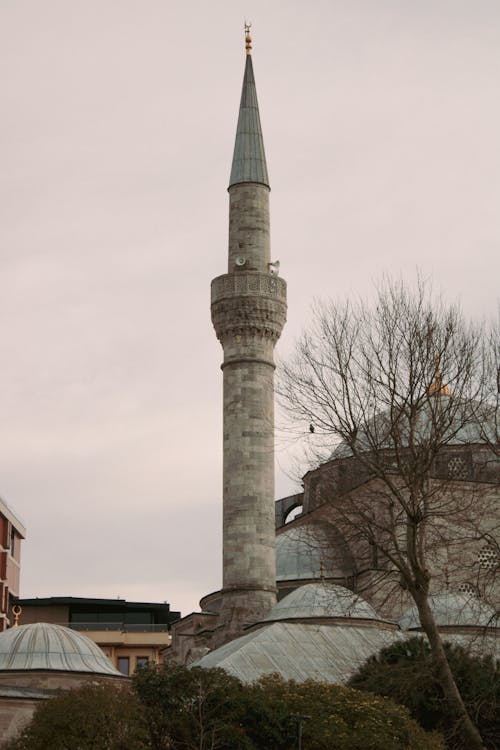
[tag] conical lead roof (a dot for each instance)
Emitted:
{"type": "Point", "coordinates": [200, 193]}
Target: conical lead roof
{"type": "Point", "coordinates": [249, 159]}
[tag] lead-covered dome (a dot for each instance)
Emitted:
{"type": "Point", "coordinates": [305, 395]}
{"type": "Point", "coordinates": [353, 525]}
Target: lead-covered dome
{"type": "Point", "coordinates": [453, 610]}
{"type": "Point", "coordinates": [312, 551]}
{"type": "Point", "coordinates": [467, 423]}
{"type": "Point", "coordinates": [47, 647]}
{"type": "Point", "coordinates": [321, 600]}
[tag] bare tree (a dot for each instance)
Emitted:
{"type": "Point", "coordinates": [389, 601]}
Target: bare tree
{"type": "Point", "coordinates": [371, 379]}
{"type": "Point", "coordinates": [491, 359]}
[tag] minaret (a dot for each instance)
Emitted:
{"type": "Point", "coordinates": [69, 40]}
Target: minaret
{"type": "Point", "coordinates": [248, 313]}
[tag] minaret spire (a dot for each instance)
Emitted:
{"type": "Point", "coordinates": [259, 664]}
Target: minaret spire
{"type": "Point", "coordinates": [248, 313]}
{"type": "Point", "coordinates": [249, 159]}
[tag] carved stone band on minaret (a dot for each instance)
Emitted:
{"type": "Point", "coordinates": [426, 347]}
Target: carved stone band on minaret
{"type": "Point", "coordinates": [248, 303]}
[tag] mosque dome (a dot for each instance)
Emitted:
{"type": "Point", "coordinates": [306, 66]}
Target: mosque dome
{"type": "Point", "coordinates": [48, 647]}
{"type": "Point", "coordinates": [312, 551]}
{"type": "Point", "coordinates": [321, 600]}
{"type": "Point", "coordinates": [471, 423]}
{"type": "Point", "coordinates": [450, 610]}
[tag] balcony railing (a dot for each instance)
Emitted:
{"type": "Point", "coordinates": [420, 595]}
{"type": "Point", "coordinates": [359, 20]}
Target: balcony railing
{"type": "Point", "coordinates": [124, 627]}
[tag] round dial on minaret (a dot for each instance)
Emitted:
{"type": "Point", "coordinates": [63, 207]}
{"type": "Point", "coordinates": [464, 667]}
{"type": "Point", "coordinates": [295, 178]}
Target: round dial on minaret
{"type": "Point", "coordinates": [240, 260]}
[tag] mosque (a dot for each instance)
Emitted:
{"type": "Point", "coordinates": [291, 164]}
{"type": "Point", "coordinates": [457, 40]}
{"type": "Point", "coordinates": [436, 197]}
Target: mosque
{"type": "Point", "coordinates": [304, 598]}
{"type": "Point", "coordinates": [299, 597]}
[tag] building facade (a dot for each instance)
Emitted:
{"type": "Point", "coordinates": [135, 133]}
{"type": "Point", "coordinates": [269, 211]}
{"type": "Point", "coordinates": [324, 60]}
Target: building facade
{"type": "Point", "coordinates": [129, 633]}
{"type": "Point", "coordinates": [12, 532]}
{"type": "Point", "coordinates": [319, 542]}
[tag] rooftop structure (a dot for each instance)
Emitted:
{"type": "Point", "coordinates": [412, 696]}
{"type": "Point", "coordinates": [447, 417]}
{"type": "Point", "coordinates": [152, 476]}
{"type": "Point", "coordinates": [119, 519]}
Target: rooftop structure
{"type": "Point", "coordinates": [320, 632]}
{"type": "Point", "coordinates": [129, 633]}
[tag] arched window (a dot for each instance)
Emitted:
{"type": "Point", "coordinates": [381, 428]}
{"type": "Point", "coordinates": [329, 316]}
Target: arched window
{"type": "Point", "coordinates": [293, 513]}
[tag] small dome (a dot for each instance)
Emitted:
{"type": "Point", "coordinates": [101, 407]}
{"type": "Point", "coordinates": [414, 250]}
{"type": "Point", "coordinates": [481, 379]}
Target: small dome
{"type": "Point", "coordinates": [44, 646]}
{"type": "Point", "coordinates": [452, 610]}
{"type": "Point", "coordinates": [321, 600]}
{"type": "Point", "coordinates": [314, 550]}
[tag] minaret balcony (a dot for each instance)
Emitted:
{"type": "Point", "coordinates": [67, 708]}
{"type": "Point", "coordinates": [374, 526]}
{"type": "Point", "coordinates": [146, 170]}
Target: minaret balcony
{"type": "Point", "coordinates": [248, 302]}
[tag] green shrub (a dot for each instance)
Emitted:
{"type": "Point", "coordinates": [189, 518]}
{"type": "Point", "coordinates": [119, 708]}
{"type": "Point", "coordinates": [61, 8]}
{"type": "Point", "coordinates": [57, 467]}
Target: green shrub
{"type": "Point", "coordinates": [404, 672]}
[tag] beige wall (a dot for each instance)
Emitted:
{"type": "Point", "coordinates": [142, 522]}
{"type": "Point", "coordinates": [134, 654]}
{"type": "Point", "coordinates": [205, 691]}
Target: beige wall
{"type": "Point", "coordinates": [15, 714]}
{"type": "Point", "coordinates": [117, 644]}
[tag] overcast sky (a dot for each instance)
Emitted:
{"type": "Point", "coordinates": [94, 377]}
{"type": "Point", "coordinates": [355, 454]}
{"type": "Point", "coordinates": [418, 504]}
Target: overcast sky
{"type": "Point", "coordinates": [381, 122]}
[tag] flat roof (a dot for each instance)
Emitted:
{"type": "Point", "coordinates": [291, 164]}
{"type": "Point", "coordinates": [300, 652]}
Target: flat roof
{"type": "Point", "coordinates": [90, 602]}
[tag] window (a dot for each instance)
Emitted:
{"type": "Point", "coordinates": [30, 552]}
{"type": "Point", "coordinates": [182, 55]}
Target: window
{"type": "Point", "coordinates": [98, 619]}
{"type": "Point", "coordinates": [137, 618]}
{"type": "Point", "coordinates": [457, 468]}
{"type": "Point", "coordinates": [293, 513]}
{"type": "Point", "coordinates": [488, 558]}
{"type": "Point", "coordinates": [124, 665]}
{"type": "Point", "coordinates": [373, 554]}
{"type": "Point", "coordinates": [468, 588]}
{"type": "Point", "coordinates": [141, 662]}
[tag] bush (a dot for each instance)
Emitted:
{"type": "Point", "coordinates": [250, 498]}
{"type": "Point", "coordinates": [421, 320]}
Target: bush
{"type": "Point", "coordinates": [199, 708]}
{"type": "Point", "coordinates": [405, 673]}
{"type": "Point", "coordinates": [175, 708]}
{"type": "Point", "coordinates": [93, 717]}
{"type": "Point", "coordinates": [342, 718]}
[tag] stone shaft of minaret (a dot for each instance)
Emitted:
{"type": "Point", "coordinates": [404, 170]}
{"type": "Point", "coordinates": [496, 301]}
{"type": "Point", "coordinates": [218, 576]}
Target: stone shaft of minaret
{"type": "Point", "coordinates": [248, 313]}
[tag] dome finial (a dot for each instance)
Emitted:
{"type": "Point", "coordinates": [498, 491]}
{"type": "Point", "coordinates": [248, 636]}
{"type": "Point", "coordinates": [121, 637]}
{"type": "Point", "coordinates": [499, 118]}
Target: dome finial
{"type": "Point", "coordinates": [437, 387]}
{"type": "Point", "coordinates": [248, 38]}
{"type": "Point", "coordinates": [16, 611]}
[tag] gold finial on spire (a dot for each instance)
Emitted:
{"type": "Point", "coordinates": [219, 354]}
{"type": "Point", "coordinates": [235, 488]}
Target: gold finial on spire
{"type": "Point", "coordinates": [16, 611]}
{"type": "Point", "coordinates": [437, 387]}
{"type": "Point", "coordinates": [248, 38]}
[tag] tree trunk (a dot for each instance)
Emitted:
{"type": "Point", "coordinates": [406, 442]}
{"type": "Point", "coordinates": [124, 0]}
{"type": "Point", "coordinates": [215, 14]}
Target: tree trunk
{"type": "Point", "coordinates": [444, 675]}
